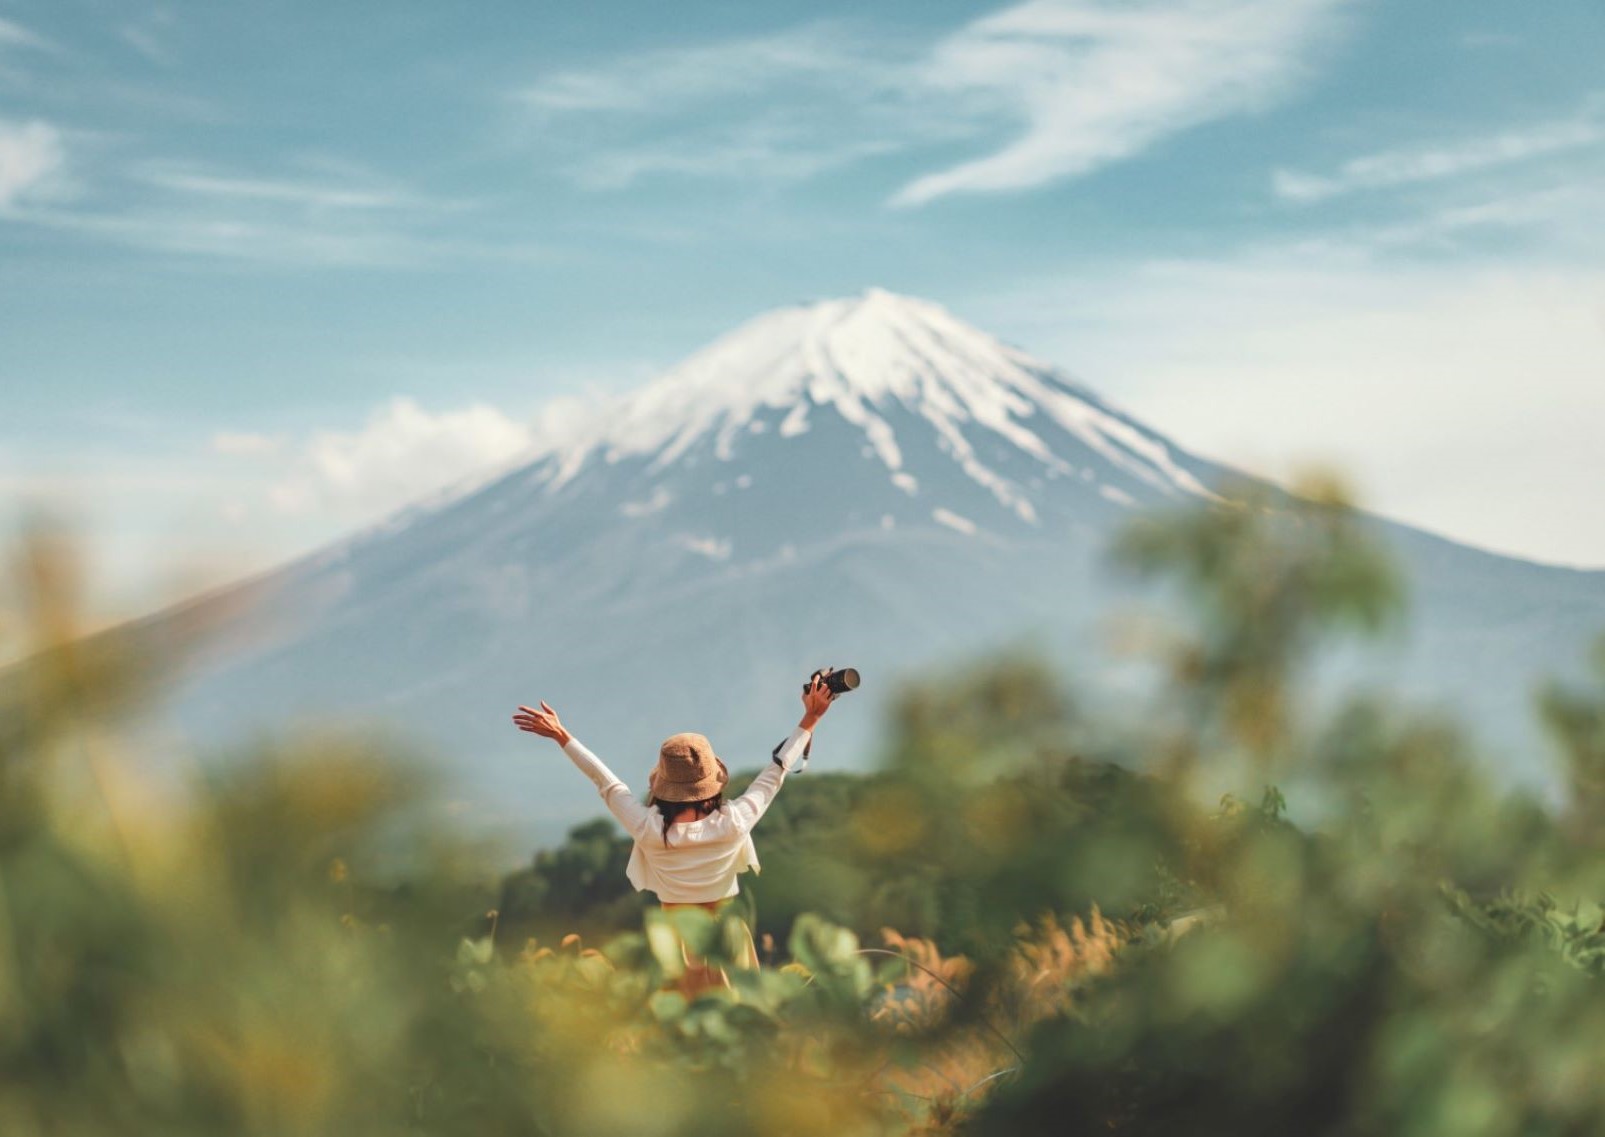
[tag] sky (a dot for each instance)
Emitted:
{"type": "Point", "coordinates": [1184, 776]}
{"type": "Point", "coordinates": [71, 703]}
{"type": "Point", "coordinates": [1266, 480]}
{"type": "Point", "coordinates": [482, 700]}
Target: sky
{"type": "Point", "coordinates": [268, 271]}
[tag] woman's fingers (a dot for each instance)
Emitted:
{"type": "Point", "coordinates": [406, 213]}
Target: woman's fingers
{"type": "Point", "coordinates": [542, 722]}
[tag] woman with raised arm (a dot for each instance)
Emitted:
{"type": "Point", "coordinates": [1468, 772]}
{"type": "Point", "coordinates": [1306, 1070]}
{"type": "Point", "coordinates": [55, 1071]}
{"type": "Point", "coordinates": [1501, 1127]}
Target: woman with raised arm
{"type": "Point", "coordinates": [690, 844]}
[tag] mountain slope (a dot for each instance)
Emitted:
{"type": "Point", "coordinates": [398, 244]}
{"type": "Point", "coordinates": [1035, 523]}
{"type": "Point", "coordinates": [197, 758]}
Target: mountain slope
{"type": "Point", "coordinates": [866, 481]}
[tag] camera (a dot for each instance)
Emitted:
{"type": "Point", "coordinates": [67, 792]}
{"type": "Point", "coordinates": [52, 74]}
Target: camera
{"type": "Point", "coordinates": [837, 682]}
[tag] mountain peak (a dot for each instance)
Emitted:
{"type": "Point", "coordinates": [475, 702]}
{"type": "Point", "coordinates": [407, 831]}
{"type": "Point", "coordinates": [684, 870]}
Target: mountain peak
{"type": "Point", "coordinates": [851, 353]}
{"type": "Point", "coordinates": [872, 344]}
{"type": "Point", "coordinates": [873, 359]}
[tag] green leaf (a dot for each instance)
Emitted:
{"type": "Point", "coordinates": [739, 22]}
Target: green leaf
{"type": "Point", "coordinates": [696, 929]}
{"type": "Point", "coordinates": [665, 945]}
{"type": "Point", "coordinates": [667, 1006]}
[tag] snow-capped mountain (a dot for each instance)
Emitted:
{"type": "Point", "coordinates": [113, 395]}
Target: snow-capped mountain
{"type": "Point", "coordinates": [859, 360]}
{"type": "Point", "coordinates": [867, 481]}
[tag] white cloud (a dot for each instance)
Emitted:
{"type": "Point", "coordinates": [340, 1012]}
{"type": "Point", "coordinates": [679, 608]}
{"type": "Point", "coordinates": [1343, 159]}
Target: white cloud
{"type": "Point", "coordinates": [31, 154]}
{"type": "Point", "coordinates": [280, 237]}
{"type": "Point", "coordinates": [148, 34]}
{"type": "Point", "coordinates": [256, 238]}
{"type": "Point", "coordinates": [954, 521]}
{"type": "Point", "coordinates": [1464, 398]}
{"type": "Point", "coordinates": [1560, 215]}
{"type": "Point", "coordinates": [1096, 81]}
{"type": "Point", "coordinates": [308, 195]}
{"type": "Point", "coordinates": [14, 34]}
{"type": "Point", "coordinates": [1078, 83]}
{"type": "Point", "coordinates": [668, 79]}
{"type": "Point", "coordinates": [165, 521]}
{"type": "Point", "coordinates": [342, 216]}
{"type": "Point", "coordinates": [1406, 166]}
{"type": "Point", "coordinates": [760, 153]}
{"type": "Point", "coordinates": [805, 100]}
{"type": "Point", "coordinates": [401, 454]}
{"type": "Point", "coordinates": [657, 500]}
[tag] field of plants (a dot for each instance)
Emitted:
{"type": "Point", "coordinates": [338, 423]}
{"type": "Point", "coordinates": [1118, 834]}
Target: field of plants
{"type": "Point", "coordinates": [1031, 920]}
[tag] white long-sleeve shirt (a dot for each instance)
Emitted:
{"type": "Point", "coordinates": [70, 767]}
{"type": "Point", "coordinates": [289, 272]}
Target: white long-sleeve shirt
{"type": "Point", "coordinates": [702, 858]}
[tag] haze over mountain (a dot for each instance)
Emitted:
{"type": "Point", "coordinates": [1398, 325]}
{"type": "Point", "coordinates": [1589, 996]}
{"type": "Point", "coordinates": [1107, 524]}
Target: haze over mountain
{"type": "Point", "coordinates": [866, 481]}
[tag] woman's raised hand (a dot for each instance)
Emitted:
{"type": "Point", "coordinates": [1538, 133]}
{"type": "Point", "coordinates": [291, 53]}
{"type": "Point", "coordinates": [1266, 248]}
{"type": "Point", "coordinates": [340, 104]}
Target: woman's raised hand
{"type": "Point", "coordinates": [543, 722]}
{"type": "Point", "coordinates": [816, 700]}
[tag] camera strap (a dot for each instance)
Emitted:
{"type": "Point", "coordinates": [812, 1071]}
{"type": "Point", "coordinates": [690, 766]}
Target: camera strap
{"type": "Point", "coordinates": [774, 755]}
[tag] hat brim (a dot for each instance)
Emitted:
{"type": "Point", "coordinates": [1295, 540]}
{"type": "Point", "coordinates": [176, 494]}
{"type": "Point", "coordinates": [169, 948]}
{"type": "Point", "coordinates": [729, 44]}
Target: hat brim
{"type": "Point", "coordinates": [700, 790]}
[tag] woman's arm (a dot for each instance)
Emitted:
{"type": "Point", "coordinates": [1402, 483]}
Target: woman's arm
{"type": "Point", "coordinates": [750, 806]}
{"type": "Point", "coordinates": [615, 794]}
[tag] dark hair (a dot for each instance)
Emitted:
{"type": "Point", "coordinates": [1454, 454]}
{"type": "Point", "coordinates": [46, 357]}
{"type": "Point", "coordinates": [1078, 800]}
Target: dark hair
{"type": "Point", "coordinates": [670, 809]}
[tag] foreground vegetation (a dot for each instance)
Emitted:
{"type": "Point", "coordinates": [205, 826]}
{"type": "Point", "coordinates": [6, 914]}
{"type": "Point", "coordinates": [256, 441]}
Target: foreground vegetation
{"type": "Point", "coordinates": [1078, 948]}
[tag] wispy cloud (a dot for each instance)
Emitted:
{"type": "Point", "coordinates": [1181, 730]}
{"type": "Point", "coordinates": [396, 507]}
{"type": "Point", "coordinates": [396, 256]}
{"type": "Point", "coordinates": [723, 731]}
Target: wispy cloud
{"type": "Point", "coordinates": [31, 155]}
{"type": "Point", "coordinates": [345, 217]}
{"type": "Point", "coordinates": [309, 195]}
{"type": "Point", "coordinates": [1072, 85]}
{"type": "Point", "coordinates": [784, 106]}
{"type": "Point", "coordinates": [1555, 215]}
{"type": "Point", "coordinates": [148, 34]}
{"type": "Point", "coordinates": [666, 80]}
{"type": "Point", "coordinates": [306, 210]}
{"type": "Point", "coordinates": [1097, 81]}
{"type": "Point", "coordinates": [761, 153]}
{"type": "Point", "coordinates": [14, 34]}
{"type": "Point", "coordinates": [1407, 166]}
{"type": "Point", "coordinates": [279, 241]}
{"type": "Point", "coordinates": [257, 240]}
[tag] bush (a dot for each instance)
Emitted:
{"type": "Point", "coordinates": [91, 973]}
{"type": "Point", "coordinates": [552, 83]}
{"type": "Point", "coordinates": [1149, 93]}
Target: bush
{"type": "Point", "coordinates": [1080, 948]}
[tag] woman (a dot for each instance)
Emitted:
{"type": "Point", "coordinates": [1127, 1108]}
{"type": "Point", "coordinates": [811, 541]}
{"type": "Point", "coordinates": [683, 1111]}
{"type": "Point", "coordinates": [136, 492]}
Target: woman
{"type": "Point", "coordinates": [690, 844]}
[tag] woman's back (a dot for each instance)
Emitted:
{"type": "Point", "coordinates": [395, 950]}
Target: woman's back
{"type": "Point", "coordinates": [694, 861]}
{"type": "Point", "coordinates": [689, 849]}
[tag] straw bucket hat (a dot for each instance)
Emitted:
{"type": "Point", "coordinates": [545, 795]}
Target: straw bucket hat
{"type": "Point", "coordinates": [687, 770]}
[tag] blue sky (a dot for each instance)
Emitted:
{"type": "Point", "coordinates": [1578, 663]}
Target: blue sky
{"type": "Point", "coordinates": [268, 270]}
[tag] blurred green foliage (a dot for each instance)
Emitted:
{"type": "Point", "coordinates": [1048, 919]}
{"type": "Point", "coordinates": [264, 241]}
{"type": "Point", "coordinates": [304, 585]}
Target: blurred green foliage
{"type": "Point", "coordinates": [1097, 931]}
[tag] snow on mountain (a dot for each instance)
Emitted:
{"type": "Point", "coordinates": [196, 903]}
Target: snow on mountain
{"type": "Point", "coordinates": [860, 358]}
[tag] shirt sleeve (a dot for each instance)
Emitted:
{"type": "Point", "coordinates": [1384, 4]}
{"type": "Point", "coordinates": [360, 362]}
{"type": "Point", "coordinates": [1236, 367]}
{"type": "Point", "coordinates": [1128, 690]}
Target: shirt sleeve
{"type": "Point", "coordinates": [620, 802]}
{"type": "Point", "coordinates": [750, 806]}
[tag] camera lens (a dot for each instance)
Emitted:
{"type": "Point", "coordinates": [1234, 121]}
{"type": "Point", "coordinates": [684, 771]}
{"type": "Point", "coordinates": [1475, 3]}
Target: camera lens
{"type": "Point", "coordinates": [840, 682]}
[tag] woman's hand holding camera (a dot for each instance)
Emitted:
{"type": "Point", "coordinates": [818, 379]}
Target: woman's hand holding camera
{"type": "Point", "coordinates": [816, 701]}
